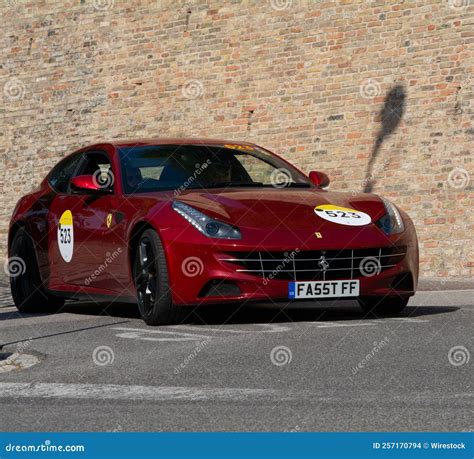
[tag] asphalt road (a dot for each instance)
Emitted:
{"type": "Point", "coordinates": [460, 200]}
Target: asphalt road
{"type": "Point", "coordinates": [315, 367]}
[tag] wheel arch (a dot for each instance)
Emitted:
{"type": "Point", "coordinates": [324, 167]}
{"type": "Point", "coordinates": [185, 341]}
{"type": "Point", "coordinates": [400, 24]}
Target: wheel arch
{"type": "Point", "coordinates": [137, 230]}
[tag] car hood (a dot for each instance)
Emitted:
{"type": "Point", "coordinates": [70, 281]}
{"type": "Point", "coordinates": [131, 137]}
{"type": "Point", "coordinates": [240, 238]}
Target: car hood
{"type": "Point", "coordinates": [275, 208]}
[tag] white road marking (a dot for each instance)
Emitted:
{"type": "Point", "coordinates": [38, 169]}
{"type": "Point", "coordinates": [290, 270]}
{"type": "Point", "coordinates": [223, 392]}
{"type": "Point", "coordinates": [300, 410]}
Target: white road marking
{"type": "Point", "coordinates": [150, 335]}
{"type": "Point", "coordinates": [16, 390]}
{"type": "Point", "coordinates": [406, 319]}
{"type": "Point", "coordinates": [132, 392]}
{"type": "Point", "coordinates": [266, 328]}
{"type": "Point", "coordinates": [338, 324]}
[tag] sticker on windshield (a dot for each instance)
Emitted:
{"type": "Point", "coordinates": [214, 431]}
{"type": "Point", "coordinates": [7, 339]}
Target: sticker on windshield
{"type": "Point", "coordinates": [239, 147]}
{"type": "Point", "coordinates": [66, 236]}
{"type": "Point", "coordinates": [342, 215]}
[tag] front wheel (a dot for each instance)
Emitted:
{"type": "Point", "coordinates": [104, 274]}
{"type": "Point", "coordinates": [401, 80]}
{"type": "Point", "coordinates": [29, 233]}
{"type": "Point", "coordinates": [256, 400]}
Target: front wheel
{"type": "Point", "coordinates": [383, 306]}
{"type": "Point", "coordinates": [152, 282]}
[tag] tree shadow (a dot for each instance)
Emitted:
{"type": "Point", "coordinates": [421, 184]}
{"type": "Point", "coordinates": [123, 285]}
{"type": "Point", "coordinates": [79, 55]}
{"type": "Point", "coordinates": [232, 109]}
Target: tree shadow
{"type": "Point", "coordinates": [390, 116]}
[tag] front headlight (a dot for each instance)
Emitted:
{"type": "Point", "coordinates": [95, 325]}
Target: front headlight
{"type": "Point", "coordinates": [391, 222]}
{"type": "Point", "coordinates": [206, 225]}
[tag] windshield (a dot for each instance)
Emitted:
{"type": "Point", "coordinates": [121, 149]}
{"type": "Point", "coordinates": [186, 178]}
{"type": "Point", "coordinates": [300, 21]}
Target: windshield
{"type": "Point", "coordinates": [179, 167]}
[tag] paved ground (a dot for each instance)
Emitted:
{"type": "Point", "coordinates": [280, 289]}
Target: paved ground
{"type": "Point", "coordinates": [315, 367]}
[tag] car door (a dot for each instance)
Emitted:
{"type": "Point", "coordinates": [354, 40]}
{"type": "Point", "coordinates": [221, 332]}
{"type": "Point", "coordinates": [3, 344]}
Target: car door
{"type": "Point", "coordinates": [87, 239]}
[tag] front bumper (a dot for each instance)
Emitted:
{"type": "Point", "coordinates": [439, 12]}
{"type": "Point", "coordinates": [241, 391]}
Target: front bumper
{"type": "Point", "coordinates": [198, 274]}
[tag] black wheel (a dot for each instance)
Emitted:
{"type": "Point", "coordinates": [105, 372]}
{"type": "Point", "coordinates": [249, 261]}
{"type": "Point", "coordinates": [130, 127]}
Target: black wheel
{"type": "Point", "coordinates": [389, 305]}
{"type": "Point", "coordinates": [28, 293]}
{"type": "Point", "coordinates": [151, 281]}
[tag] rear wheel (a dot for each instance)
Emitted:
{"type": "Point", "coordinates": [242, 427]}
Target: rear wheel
{"type": "Point", "coordinates": [28, 293]}
{"type": "Point", "coordinates": [152, 283]}
{"type": "Point", "coordinates": [389, 305]}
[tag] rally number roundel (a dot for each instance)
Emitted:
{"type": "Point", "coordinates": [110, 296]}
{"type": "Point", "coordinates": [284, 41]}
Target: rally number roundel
{"type": "Point", "coordinates": [342, 215]}
{"type": "Point", "coordinates": [66, 236]}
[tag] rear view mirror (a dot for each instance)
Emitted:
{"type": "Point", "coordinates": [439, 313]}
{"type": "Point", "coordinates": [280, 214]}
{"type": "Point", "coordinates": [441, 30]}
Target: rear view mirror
{"type": "Point", "coordinates": [320, 179]}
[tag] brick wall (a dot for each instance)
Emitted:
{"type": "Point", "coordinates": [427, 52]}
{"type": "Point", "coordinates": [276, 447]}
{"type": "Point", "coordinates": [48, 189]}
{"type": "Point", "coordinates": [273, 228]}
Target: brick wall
{"type": "Point", "coordinates": [376, 93]}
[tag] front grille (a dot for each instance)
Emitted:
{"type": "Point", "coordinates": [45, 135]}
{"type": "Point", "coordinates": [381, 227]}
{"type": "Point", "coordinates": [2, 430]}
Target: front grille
{"type": "Point", "coordinates": [316, 264]}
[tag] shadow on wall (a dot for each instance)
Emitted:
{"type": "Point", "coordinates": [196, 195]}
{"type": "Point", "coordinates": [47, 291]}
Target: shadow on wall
{"type": "Point", "coordinates": [390, 117]}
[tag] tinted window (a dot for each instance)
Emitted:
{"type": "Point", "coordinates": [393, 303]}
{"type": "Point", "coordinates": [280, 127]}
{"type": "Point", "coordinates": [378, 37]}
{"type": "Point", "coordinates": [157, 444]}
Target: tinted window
{"type": "Point", "coordinates": [62, 173]}
{"type": "Point", "coordinates": [167, 167]}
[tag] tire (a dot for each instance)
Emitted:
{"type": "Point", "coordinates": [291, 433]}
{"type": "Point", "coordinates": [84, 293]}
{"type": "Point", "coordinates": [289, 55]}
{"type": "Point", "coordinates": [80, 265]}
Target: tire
{"type": "Point", "coordinates": [28, 292]}
{"type": "Point", "coordinates": [152, 282]}
{"type": "Point", "coordinates": [383, 306]}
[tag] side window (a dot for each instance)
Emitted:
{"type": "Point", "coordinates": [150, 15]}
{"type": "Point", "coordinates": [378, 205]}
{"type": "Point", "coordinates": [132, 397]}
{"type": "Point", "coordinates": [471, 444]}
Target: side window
{"type": "Point", "coordinates": [98, 165]}
{"type": "Point", "coordinates": [62, 173]}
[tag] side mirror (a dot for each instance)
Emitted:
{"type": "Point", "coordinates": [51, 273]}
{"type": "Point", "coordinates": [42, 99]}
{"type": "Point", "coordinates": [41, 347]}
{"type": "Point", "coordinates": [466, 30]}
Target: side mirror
{"type": "Point", "coordinates": [88, 184]}
{"type": "Point", "coordinates": [320, 179]}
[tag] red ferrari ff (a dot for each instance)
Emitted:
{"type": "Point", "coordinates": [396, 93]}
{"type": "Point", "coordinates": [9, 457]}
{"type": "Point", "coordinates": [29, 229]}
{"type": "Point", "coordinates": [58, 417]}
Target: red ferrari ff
{"type": "Point", "coordinates": [169, 223]}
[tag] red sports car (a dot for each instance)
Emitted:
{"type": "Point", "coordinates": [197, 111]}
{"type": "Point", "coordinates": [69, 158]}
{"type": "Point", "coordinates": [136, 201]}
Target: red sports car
{"type": "Point", "coordinates": [172, 223]}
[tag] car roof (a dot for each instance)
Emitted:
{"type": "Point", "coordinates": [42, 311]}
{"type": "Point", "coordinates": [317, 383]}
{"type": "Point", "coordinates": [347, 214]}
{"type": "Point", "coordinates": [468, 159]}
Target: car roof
{"type": "Point", "coordinates": [176, 141]}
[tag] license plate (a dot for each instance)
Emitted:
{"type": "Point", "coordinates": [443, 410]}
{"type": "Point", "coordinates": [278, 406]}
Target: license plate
{"type": "Point", "coordinates": [323, 289]}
